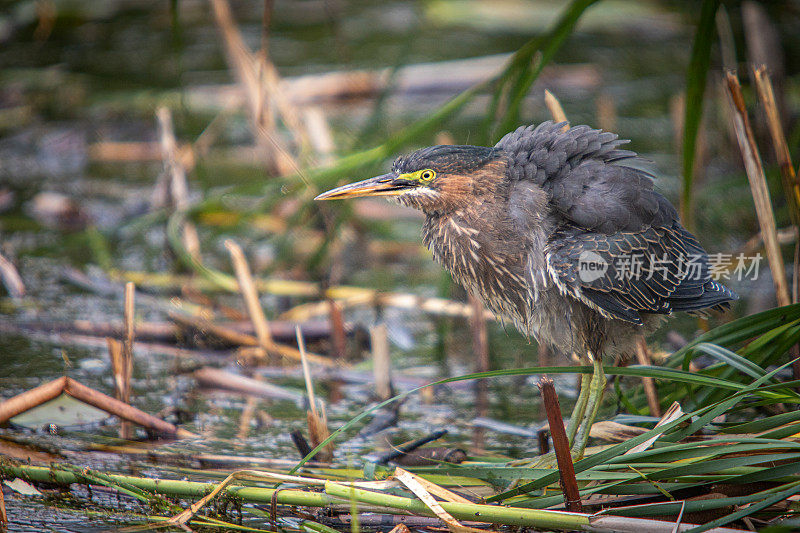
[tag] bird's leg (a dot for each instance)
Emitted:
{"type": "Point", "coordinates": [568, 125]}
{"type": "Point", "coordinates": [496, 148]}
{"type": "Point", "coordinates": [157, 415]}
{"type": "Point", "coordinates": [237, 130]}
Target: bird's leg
{"type": "Point", "coordinates": [580, 404]}
{"type": "Point", "coordinates": [595, 397]}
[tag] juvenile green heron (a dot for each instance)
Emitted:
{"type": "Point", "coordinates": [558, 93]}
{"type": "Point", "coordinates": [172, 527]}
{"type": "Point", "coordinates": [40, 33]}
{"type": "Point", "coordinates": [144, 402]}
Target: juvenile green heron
{"type": "Point", "coordinates": [560, 232]}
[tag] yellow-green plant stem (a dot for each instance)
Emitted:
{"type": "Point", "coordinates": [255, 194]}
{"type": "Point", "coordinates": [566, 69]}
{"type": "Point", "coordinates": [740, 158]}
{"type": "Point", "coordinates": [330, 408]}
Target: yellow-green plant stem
{"type": "Point", "coordinates": [580, 406]}
{"type": "Point", "coordinates": [335, 493]}
{"type": "Point", "coordinates": [594, 399]}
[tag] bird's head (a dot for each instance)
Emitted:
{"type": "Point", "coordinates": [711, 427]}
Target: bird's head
{"type": "Point", "coordinates": [433, 179]}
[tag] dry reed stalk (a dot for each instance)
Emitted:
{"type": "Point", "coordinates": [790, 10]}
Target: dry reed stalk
{"type": "Point", "coordinates": [247, 416]}
{"type": "Point", "coordinates": [317, 420]}
{"type": "Point", "coordinates": [115, 350]}
{"type": "Point", "coordinates": [791, 186]}
{"type": "Point", "coordinates": [382, 363]}
{"type": "Point", "coordinates": [64, 385]}
{"type": "Point", "coordinates": [566, 469]}
{"type": "Point", "coordinates": [126, 362]}
{"type": "Point", "coordinates": [758, 187]}
{"type": "Point", "coordinates": [306, 372]}
{"type": "Point", "coordinates": [423, 490]}
{"type": "Point", "coordinates": [319, 133]}
{"type": "Point", "coordinates": [260, 80]}
{"type": "Point", "coordinates": [175, 171]}
{"type": "Point", "coordinates": [480, 346]}
{"type": "Point", "coordinates": [338, 335]}
{"type": "Point", "coordinates": [11, 278]}
{"type": "Point", "coordinates": [250, 294]}
{"type": "Point", "coordinates": [643, 358]}
{"type": "Point", "coordinates": [606, 112]}
{"type": "Point", "coordinates": [554, 106]}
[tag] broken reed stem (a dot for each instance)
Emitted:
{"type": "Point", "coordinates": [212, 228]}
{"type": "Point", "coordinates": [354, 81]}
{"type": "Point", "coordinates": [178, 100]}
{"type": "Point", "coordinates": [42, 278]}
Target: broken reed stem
{"type": "Point", "coordinates": [791, 188]}
{"type": "Point", "coordinates": [338, 335]}
{"type": "Point", "coordinates": [758, 187]}
{"type": "Point", "coordinates": [643, 358]}
{"type": "Point", "coordinates": [126, 362]}
{"type": "Point", "coordinates": [382, 364]}
{"type": "Point", "coordinates": [790, 183]}
{"type": "Point", "coordinates": [118, 366]}
{"type": "Point", "coordinates": [176, 185]}
{"type": "Point", "coordinates": [250, 294]}
{"type": "Point", "coordinates": [247, 416]}
{"type": "Point", "coordinates": [480, 347]}
{"type": "Point", "coordinates": [554, 106]}
{"type": "Point", "coordinates": [566, 469]}
{"type": "Point", "coordinates": [306, 372]}
{"type": "Point", "coordinates": [317, 421]}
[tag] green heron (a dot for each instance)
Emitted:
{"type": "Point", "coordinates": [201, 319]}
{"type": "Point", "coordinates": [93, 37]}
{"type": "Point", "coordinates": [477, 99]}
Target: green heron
{"type": "Point", "coordinates": [560, 231]}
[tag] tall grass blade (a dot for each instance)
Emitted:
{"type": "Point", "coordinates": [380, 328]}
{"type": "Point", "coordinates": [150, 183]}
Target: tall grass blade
{"type": "Point", "coordinates": [528, 64]}
{"type": "Point", "coordinates": [695, 89]}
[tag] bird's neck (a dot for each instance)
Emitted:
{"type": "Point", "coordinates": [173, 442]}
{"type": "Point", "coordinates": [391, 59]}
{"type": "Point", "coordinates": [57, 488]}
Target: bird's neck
{"type": "Point", "coordinates": [479, 248]}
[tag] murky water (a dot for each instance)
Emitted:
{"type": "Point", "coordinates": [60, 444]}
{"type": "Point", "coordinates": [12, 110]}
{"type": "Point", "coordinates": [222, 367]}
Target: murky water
{"type": "Point", "coordinates": [97, 74]}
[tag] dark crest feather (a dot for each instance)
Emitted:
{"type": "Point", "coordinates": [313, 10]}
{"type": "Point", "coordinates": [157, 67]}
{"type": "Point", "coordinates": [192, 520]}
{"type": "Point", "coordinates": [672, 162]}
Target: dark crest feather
{"type": "Point", "coordinates": [449, 159]}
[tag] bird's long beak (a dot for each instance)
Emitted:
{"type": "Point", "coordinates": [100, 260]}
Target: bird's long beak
{"type": "Point", "coordinates": [385, 185]}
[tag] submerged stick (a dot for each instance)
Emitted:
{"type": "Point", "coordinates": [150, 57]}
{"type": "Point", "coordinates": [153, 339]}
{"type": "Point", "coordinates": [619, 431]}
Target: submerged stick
{"type": "Point", "coordinates": [566, 469]}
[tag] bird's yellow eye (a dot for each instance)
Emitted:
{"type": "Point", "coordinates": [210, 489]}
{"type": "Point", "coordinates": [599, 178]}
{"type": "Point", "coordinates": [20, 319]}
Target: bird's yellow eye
{"type": "Point", "coordinates": [427, 175]}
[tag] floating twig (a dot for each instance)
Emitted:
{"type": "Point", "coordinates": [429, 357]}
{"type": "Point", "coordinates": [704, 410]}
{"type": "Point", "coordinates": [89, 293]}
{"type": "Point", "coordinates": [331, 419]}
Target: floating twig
{"type": "Point", "coordinates": [48, 391]}
{"type": "Point", "coordinates": [220, 379]}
